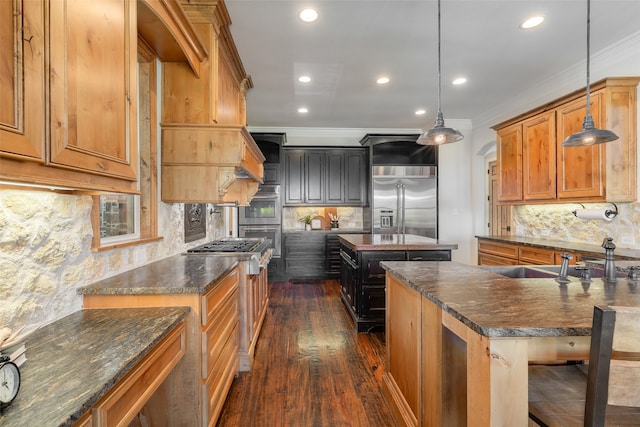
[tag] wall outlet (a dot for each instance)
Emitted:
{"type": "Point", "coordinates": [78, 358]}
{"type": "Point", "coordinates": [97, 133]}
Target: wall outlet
{"type": "Point", "coordinates": [626, 240]}
{"type": "Point", "coordinates": [545, 233]}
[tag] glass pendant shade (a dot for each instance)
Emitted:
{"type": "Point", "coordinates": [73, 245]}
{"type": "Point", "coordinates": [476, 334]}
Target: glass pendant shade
{"type": "Point", "coordinates": [589, 135]}
{"type": "Point", "coordinates": [439, 134]}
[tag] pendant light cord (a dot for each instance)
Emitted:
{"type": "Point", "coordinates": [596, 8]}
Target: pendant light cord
{"type": "Point", "coordinates": [439, 66]}
{"type": "Point", "coordinates": [588, 59]}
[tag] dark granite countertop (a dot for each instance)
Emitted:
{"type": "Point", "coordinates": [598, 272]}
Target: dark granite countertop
{"type": "Point", "coordinates": [497, 306]}
{"type": "Point", "coordinates": [593, 249]}
{"type": "Point", "coordinates": [73, 362]}
{"type": "Point", "coordinates": [394, 242]}
{"type": "Point", "coordinates": [179, 274]}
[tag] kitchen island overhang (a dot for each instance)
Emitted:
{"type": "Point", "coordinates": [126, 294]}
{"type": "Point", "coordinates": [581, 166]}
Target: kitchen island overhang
{"type": "Point", "coordinates": [460, 338]}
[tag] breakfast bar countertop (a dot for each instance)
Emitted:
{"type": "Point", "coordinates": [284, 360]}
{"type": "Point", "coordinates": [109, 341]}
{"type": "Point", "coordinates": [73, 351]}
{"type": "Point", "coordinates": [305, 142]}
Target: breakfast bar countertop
{"type": "Point", "coordinates": [73, 362]}
{"type": "Point", "coordinates": [393, 242]}
{"type": "Point", "coordinates": [179, 274]}
{"type": "Point", "coordinates": [497, 306]}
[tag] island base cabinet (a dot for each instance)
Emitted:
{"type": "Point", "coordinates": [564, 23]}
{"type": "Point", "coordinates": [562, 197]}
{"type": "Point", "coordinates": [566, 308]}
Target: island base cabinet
{"type": "Point", "coordinates": [442, 373]}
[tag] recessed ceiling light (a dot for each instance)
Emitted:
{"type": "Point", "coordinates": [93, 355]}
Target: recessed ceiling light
{"type": "Point", "coordinates": [421, 112]}
{"type": "Point", "coordinates": [382, 80]}
{"type": "Point", "coordinates": [532, 22]}
{"type": "Point", "coordinates": [459, 81]}
{"type": "Point", "coordinates": [308, 15]}
{"type": "Point", "coordinates": [304, 79]}
{"type": "Point", "coordinates": [303, 110]}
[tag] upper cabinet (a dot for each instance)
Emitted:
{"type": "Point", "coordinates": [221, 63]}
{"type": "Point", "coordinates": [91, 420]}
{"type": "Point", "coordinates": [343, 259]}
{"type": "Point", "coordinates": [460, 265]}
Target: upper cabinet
{"type": "Point", "coordinates": [334, 177]}
{"type": "Point", "coordinates": [534, 167]}
{"type": "Point", "coordinates": [204, 139]}
{"type": "Point", "coordinates": [65, 120]}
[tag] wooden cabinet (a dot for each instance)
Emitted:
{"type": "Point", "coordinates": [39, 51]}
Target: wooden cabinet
{"type": "Point", "coordinates": [491, 252]}
{"type": "Point", "coordinates": [254, 299]}
{"type": "Point", "coordinates": [211, 359]}
{"type": "Point", "coordinates": [334, 177]}
{"type": "Point", "coordinates": [22, 90]}
{"type": "Point", "coordinates": [534, 167]}
{"type": "Point", "coordinates": [207, 153]}
{"type": "Point", "coordinates": [90, 138]}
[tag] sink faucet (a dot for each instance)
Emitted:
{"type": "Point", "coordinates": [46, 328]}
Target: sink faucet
{"type": "Point", "coordinates": [564, 268]}
{"type": "Point", "coordinates": [609, 264]}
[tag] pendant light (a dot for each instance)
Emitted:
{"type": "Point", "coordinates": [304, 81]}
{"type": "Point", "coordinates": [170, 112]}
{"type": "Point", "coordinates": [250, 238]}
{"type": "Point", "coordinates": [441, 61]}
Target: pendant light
{"type": "Point", "coordinates": [589, 135]}
{"type": "Point", "coordinates": [439, 134]}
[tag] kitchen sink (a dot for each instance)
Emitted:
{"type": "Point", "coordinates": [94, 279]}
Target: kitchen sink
{"type": "Point", "coordinates": [545, 271]}
{"type": "Point", "coordinates": [519, 271]}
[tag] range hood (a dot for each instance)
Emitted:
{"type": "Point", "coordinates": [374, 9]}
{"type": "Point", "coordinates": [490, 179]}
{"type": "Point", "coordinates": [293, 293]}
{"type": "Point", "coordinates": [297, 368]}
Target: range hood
{"type": "Point", "coordinates": [210, 164]}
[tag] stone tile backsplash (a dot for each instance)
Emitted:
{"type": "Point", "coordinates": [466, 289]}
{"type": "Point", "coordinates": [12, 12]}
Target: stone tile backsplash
{"type": "Point", "coordinates": [558, 222]}
{"type": "Point", "coordinates": [349, 217]}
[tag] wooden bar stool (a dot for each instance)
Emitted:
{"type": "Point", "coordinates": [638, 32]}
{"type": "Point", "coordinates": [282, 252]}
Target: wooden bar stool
{"type": "Point", "coordinates": [604, 392]}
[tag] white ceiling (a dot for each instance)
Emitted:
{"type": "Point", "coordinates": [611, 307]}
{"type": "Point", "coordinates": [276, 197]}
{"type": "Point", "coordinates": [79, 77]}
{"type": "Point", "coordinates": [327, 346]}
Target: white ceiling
{"type": "Point", "coordinates": [355, 41]}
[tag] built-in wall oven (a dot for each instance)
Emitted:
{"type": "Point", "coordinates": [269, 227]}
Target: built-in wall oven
{"type": "Point", "coordinates": [272, 232]}
{"type": "Point", "coordinates": [265, 207]}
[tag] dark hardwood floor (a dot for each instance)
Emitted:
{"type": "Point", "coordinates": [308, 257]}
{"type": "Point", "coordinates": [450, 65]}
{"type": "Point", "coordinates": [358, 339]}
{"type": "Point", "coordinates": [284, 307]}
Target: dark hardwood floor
{"type": "Point", "coordinates": [311, 368]}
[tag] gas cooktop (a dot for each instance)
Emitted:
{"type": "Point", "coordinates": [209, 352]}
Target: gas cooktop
{"type": "Point", "coordinates": [228, 245]}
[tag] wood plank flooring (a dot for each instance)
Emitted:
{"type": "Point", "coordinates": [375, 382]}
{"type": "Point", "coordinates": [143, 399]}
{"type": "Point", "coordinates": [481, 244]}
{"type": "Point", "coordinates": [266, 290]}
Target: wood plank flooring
{"type": "Point", "coordinates": [311, 368]}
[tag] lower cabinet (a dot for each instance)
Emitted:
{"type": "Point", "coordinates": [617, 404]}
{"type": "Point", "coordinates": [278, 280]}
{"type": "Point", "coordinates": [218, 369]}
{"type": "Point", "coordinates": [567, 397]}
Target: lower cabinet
{"type": "Point", "coordinates": [500, 253]}
{"type": "Point", "coordinates": [304, 255]}
{"type": "Point", "coordinates": [362, 281]}
{"type": "Point", "coordinates": [211, 359]}
{"type": "Point", "coordinates": [254, 300]}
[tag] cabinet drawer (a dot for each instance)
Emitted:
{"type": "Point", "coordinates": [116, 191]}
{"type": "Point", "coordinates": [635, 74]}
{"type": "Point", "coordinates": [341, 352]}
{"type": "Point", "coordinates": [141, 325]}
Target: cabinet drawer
{"type": "Point", "coordinates": [128, 397]}
{"type": "Point", "coordinates": [429, 255]}
{"type": "Point", "coordinates": [373, 302]}
{"type": "Point", "coordinates": [220, 293]}
{"type": "Point", "coordinates": [497, 248]}
{"type": "Point", "coordinates": [533, 255]}
{"type": "Point", "coordinates": [215, 388]}
{"type": "Point", "coordinates": [486, 259]}
{"type": "Point", "coordinates": [217, 333]}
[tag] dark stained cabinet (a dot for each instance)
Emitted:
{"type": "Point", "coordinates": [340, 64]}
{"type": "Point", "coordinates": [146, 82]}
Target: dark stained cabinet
{"type": "Point", "coordinates": [362, 281]}
{"type": "Point", "coordinates": [334, 177]}
{"type": "Point", "coordinates": [304, 255]}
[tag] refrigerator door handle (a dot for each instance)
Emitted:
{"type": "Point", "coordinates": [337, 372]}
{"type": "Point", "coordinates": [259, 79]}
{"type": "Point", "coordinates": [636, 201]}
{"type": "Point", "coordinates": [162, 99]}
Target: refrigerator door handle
{"type": "Point", "coordinates": [398, 208]}
{"type": "Point", "coordinates": [403, 208]}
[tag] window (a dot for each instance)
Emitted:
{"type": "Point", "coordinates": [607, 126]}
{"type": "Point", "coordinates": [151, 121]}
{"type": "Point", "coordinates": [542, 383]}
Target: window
{"type": "Point", "coordinates": [126, 219]}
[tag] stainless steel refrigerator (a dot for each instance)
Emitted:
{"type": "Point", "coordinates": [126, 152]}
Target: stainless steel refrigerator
{"type": "Point", "coordinates": [405, 200]}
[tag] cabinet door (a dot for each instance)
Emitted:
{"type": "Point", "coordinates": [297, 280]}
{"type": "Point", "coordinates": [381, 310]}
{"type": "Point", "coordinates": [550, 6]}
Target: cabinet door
{"type": "Point", "coordinates": [93, 50]}
{"type": "Point", "coordinates": [335, 173]}
{"type": "Point", "coordinates": [579, 168]}
{"type": "Point", "coordinates": [539, 157]}
{"type": "Point", "coordinates": [509, 156]}
{"type": "Point", "coordinates": [22, 78]}
{"type": "Point", "coordinates": [294, 177]}
{"type": "Point", "coordinates": [356, 168]}
{"type": "Point", "coordinates": [314, 174]}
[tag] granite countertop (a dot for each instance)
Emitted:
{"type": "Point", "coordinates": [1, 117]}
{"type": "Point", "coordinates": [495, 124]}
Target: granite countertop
{"type": "Point", "coordinates": [595, 249]}
{"type": "Point", "coordinates": [498, 306]}
{"type": "Point", "coordinates": [394, 242]}
{"type": "Point", "coordinates": [179, 274]}
{"type": "Point", "coordinates": [74, 361]}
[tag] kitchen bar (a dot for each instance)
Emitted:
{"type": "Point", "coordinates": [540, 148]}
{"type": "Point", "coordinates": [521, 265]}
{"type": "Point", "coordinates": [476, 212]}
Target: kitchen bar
{"type": "Point", "coordinates": [459, 338]}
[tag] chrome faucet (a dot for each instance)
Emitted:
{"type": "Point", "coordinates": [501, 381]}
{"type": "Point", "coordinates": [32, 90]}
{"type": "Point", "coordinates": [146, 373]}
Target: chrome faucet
{"type": "Point", "coordinates": [564, 268]}
{"type": "Point", "coordinates": [609, 264]}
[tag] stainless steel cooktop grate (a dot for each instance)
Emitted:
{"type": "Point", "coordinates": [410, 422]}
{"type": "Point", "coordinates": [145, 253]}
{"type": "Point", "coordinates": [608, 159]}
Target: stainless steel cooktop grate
{"type": "Point", "coordinates": [227, 245]}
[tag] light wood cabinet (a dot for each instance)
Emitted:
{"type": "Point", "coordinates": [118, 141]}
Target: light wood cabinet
{"type": "Point", "coordinates": [254, 299]}
{"type": "Point", "coordinates": [22, 80]}
{"type": "Point", "coordinates": [500, 253]}
{"type": "Point", "coordinates": [211, 359]}
{"type": "Point", "coordinates": [84, 67]}
{"type": "Point", "coordinates": [535, 168]}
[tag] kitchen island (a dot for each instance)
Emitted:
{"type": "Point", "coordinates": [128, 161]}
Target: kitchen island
{"type": "Point", "coordinates": [459, 339]}
{"type": "Point", "coordinates": [362, 287]}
